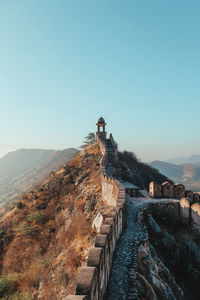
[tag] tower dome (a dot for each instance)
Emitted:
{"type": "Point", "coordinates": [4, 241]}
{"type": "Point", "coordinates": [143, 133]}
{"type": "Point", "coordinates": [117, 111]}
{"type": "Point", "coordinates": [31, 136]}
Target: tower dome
{"type": "Point", "coordinates": [101, 121]}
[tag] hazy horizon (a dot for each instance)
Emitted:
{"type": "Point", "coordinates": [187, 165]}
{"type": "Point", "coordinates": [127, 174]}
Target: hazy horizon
{"type": "Point", "coordinates": [66, 63]}
{"type": "Point", "coordinates": [138, 155]}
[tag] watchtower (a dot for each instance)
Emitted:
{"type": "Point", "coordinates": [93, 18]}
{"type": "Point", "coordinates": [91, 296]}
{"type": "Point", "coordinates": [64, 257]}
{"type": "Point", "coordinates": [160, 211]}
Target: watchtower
{"type": "Point", "coordinates": [101, 129]}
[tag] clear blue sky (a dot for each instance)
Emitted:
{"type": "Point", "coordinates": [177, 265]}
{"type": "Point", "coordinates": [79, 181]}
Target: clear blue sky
{"type": "Point", "coordinates": [63, 63]}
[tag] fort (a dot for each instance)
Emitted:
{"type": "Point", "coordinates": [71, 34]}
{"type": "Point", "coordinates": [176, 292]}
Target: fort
{"type": "Point", "coordinates": [117, 247]}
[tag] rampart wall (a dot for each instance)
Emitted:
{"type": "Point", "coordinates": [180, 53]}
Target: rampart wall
{"type": "Point", "coordinates": [191, 213]}
{"type": "Point", "coordinates": [93, 279]}
{"type": "Point", "coordinates": [183, 209]}
{"type": "Point", "coordinates": [169, 190]}
{"type": "Point", "coordinates": [165, 209]}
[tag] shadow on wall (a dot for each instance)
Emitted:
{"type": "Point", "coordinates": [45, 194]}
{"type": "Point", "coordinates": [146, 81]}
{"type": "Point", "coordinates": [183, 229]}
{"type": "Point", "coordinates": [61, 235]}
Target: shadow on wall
{"type": "Point", "coordinates": [195, 216]}
{"type": "Point", "coordinates": [175, 212]}
{"type": "Point", "coordinates": [167, 212]}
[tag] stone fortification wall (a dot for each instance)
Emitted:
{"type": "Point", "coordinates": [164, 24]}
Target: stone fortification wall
{"type": "Point", "coordinates": [191, 213]}
{"type": "Point", "coordinates": [169, 190]}
{"type": "Point", "coordinates": [195, 216]}
{"type": "Point", "coordinates": [184, 209]}
{"type": "Point", "coordinates": [93, 279]}
{"type": "Point", "coordinates": [165, 208]}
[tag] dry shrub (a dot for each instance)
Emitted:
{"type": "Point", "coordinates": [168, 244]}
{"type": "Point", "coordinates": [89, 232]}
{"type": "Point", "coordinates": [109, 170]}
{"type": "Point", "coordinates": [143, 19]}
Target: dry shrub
{"type": "Point", "coordinates": [94, 149]}
{"type": "Point", "coordinates": [74, 259]}
{"type": "Point", "coordinates": [51, 225]}
{"type": "Point", "coordinates": [49, 291]}
{"type": "Point", "coordinates": [79, 227]}
{"type": "Point", "coordinates": [61, 237]}
{"type": "Point", "coordinates": [60, 220]}
{"type": "Point", "coordinates": [20, 253]}
{"type": "Point", "coordinates": [91, 202]}
{"type": "Point", "coordinates": [80, 205]}
{"type": "Point", "coordinates": [50, 209]}
{"type": "Point", "coordinates": [75, 160]}
{"type": "Point", "coordinates": [30, 196]}
{"type": "Point", "coordinates": [31, 277]}
{"type": "Point", "coordinates": [69, 202]}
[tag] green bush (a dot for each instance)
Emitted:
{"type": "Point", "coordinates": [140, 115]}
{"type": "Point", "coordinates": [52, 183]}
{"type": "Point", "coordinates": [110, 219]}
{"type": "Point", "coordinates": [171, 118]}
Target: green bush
{"type": "Point", "coordinates": [2, 232]}
{"type": "Point", "coordinates": [91, 203]}
{"type": "Point", "coordinates": [8, 284]}
{"type": "Point", "coordinates": [24, 229]}
{"type": "Point", "coordinates": [18, 296]}
{"type": "Point", "coordinates": [37, 218]}
{"type": "Point", "coordinates": [20, 205]}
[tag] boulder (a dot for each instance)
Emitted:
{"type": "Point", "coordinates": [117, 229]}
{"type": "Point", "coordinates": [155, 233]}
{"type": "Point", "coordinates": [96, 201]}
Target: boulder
{"type": "Point", "coordinates": [97, 223]}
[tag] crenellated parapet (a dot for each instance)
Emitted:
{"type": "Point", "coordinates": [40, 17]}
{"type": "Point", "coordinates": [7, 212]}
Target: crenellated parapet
{"type": "Point", "coordinates": [170, 190]}
{"type": "Point", "coordinates": [184, 210]}
{"type": "Point", "coordinates": [93, 279]}
{"type": "Point", "coordinates": [190, 212]}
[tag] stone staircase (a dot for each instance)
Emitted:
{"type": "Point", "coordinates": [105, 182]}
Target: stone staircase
{"type": "Point", "coordinates": [111, 160]}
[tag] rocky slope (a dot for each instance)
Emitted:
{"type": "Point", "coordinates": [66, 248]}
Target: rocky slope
{"type": "Point", "coordinates": [46, 238]}
{"type": "Point", "coordinates": [137, 172]}
{"type": "Point", "coordinates": [169, 262]}
{"type": "Point", "coordinates": [22, 169]}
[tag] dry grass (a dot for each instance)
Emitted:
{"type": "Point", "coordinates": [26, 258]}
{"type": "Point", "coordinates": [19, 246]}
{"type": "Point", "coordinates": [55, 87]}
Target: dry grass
{"type": "Point", "coordinates": [45, 241]}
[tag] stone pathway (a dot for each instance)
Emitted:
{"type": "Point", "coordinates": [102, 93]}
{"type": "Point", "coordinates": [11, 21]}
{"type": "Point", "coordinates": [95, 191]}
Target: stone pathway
{"type": "Point", "coordinates": [122, 284]}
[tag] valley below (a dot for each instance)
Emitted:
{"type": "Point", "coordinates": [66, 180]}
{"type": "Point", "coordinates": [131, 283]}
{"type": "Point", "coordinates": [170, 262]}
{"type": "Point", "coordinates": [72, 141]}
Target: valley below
{"type": "Point", "coordinates": [187, 173]}
{"type": "Point", "coordinates": [22, 170]}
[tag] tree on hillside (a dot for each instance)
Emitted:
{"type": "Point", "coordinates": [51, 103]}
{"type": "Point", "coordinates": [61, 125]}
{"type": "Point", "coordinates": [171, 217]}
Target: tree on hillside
{"type": "Point", "coordinates": [89, 139]}
{"type": "Point", "coordinates": [137, 172]}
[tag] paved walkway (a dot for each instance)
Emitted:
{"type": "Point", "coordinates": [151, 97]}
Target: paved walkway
{"type": "Point", "coordinates": [122, 284]}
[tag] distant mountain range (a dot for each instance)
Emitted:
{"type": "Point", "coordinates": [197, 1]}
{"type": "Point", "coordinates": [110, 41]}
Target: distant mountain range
{"type": "Point", "coordinates": [186, 173]}
{"type": "Point", "coordinates": [194, 159]}
{"type": "Point", "coordinates": [22, 169]}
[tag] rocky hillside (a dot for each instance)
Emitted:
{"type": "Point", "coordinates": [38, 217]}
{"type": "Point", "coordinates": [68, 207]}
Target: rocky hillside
{"type": "Point", "coordinates": [188, 174]}
{"type": "Point", "coordinates": [169, 263]}
{"type": "Point", "coordinates": [137, 172]}
{"type": "Point", "coordinates": [46, 238]}
{"type": "Point", "coordinates": [22, 169]}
